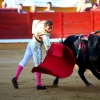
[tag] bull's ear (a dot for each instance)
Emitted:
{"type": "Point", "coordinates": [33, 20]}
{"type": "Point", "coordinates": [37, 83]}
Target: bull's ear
{"type": "Point", "coordinates": [96, 32]}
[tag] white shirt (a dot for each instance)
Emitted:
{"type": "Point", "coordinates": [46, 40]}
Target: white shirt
{"type": "Point", "coordinates": [82, 6]}
{"type": "Point", "coordinates": [49, 10]}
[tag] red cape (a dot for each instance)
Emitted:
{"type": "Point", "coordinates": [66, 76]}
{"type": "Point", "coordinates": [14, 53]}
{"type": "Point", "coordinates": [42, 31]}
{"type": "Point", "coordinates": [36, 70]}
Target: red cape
{"type": "Point", "coordinates": [59, 61]}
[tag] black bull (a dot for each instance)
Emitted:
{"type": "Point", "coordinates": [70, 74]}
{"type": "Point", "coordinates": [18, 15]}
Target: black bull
{"type": "Point", "coordinates": [88, 57]}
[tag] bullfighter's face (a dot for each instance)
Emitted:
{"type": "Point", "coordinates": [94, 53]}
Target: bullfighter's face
{"type": "Point", "coordinates": [48, 28]}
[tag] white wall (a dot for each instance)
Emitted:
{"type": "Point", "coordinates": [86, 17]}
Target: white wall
{"type": "Point", "coordinates": [43, 3]}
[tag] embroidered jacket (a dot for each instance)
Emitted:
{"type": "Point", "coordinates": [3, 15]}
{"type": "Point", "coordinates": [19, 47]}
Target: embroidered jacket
{"type": "Point", "coordinates": [40, 33]}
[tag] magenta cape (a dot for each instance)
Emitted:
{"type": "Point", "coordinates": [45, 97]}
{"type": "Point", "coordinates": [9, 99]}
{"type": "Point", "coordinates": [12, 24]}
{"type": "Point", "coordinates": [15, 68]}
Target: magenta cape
{"type": "Point", "coordinates": [59, 61]}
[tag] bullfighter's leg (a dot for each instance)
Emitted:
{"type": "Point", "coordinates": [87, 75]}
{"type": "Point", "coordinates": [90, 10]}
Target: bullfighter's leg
{"type": "Point", "coordinates": [21, 65]}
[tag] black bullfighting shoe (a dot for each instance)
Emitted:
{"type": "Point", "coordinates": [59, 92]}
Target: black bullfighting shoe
{"type": "Point", "coordinates": [14, 82]}
{"type": "Point", "coordinates": [41, 87]}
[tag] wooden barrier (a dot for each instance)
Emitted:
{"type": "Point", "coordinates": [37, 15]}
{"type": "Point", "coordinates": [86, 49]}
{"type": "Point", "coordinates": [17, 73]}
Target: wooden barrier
{"type": "Point", "coordinates": [76, 23]}
{"type": "Point", "coordinates": [96, 21]}
{"type": "Point", "coordinates": [7, 10]}
{"type": "Point", "coordinates": [19, 26]}
{"type": "Point", "coordinates": [13, 26]}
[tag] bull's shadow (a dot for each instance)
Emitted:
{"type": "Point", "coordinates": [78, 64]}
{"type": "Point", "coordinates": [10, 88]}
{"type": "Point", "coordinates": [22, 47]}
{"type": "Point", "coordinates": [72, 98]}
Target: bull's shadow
{"type": "Point", "coordinates": [87, 56]}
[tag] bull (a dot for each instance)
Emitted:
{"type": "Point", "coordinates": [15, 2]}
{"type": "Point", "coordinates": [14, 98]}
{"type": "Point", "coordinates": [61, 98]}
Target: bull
{"type": "Point", "coordinates": [87, 56]}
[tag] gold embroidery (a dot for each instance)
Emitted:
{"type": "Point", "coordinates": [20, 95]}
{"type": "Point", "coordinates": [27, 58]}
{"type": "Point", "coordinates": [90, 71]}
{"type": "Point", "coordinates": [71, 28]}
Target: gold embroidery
{"type": "Point", "coordinates": [41, 32]}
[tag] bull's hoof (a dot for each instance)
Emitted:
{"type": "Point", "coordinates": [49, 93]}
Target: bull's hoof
{"type": "Point", "coordinates": [89, 85]}
{"type": "Point", "coordinates": [54, 85]}
{"type": "Point", "coordinates": [55, 82]}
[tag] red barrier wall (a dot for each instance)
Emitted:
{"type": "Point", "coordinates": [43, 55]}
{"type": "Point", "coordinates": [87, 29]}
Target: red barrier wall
{"type": "Point", "coordinates": [96, 21]}
{"type": "Point", "coordinates": [19, 26]}
{"type": "Point", "coordinates": [76, 23]}
{"type": "Point", "coordinates": [13, 26]}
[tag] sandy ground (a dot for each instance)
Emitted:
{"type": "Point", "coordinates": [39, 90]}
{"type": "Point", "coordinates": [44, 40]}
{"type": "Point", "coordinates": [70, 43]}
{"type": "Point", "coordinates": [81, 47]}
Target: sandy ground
{"type": "Point", "coordinates": [71, 88]}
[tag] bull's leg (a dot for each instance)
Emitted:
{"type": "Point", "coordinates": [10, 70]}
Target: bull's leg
{"type": "Point", "coordinates": [81, 74]}
{"type": "Point", "coordinates": [95, 72]}
{"type": "Point", "coordinates": [55, 82]}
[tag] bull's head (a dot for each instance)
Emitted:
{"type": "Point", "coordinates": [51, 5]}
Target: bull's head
{"type": "Point", "coordinates": [94, 47]}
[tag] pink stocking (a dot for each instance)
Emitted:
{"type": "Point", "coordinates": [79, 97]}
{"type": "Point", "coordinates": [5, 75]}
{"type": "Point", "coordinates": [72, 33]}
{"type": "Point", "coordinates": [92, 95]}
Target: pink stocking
{"type": "Point", "coordinates": [38, 78]}
{"type": "Point", "coordinates": [18, 71]}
